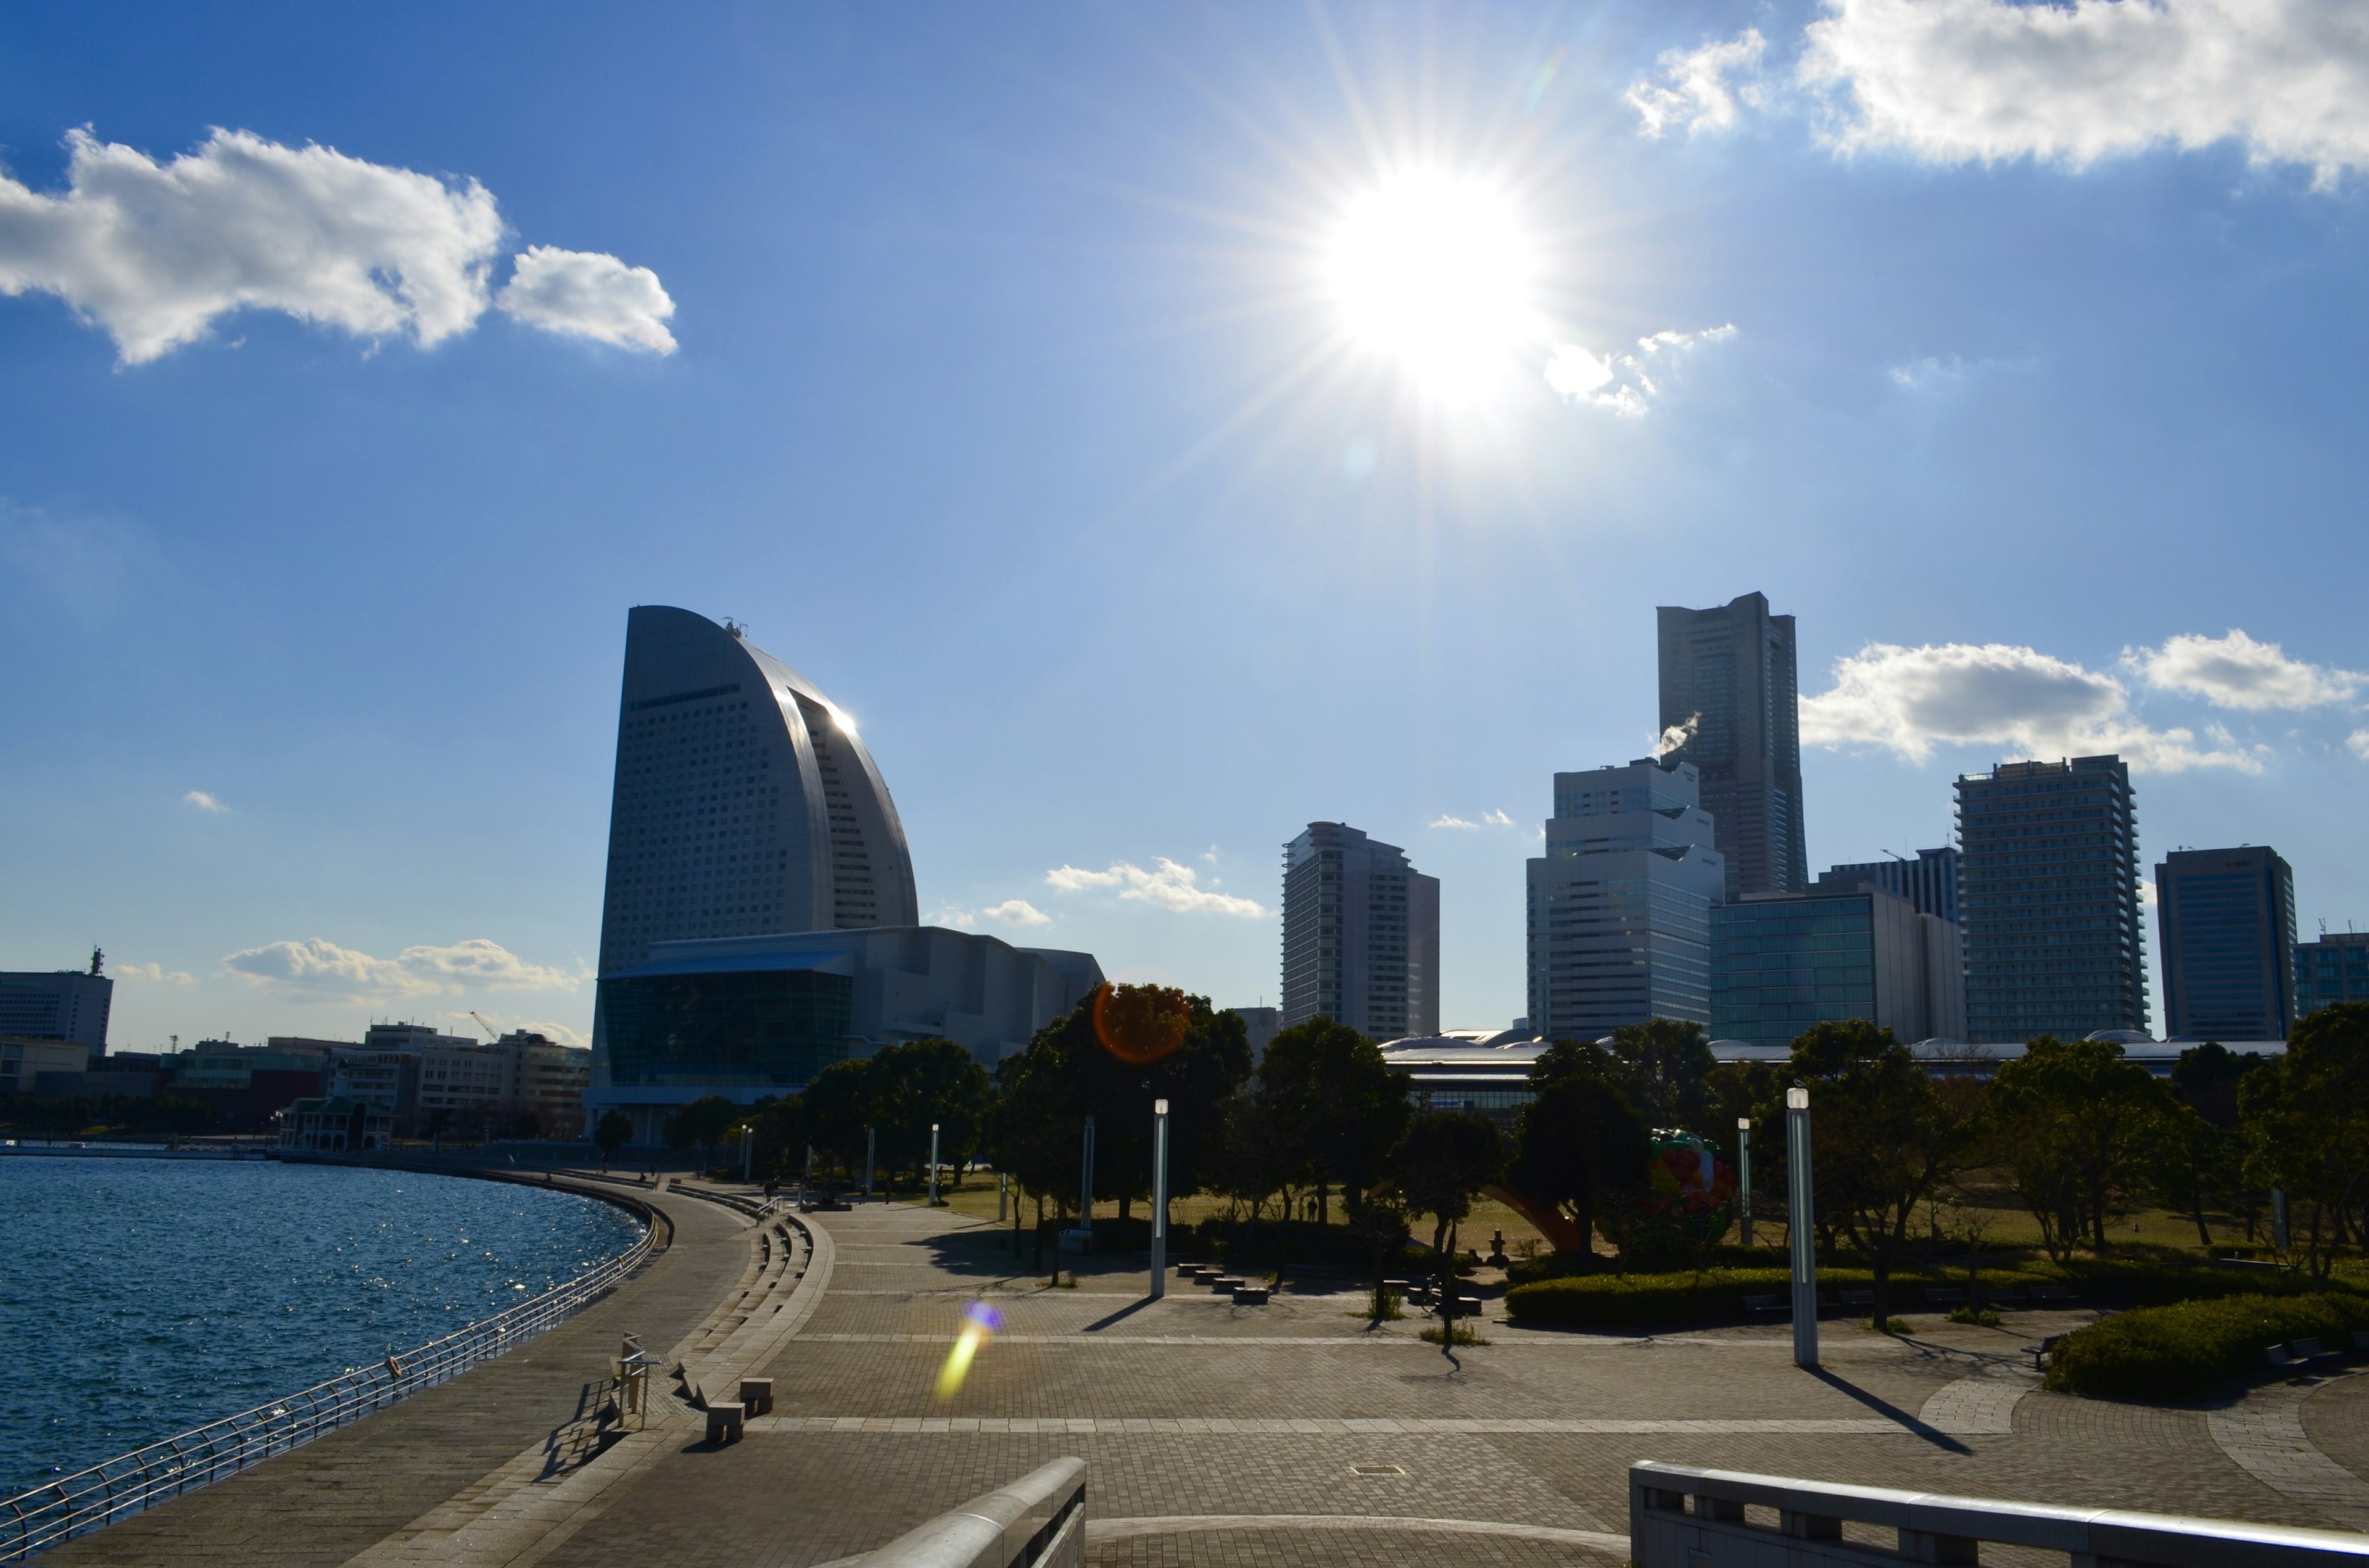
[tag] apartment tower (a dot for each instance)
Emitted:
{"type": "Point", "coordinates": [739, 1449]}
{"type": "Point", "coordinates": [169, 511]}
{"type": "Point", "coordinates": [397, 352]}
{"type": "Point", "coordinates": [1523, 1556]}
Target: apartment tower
{"type": "Point", "coordinates": [1360, 936]}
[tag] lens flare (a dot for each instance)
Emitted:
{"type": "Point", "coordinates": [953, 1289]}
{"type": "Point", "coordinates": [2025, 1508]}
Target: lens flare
{"type": "Point", "coordinates": [980, 1322]}
{"type": "Point", "coordinates": [1141, 1023]}
{"type": "Point", "coordinates": [1434, 270]}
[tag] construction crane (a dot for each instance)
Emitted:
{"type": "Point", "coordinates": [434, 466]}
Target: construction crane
{"type": "Point", "coordinates": [491, 1033]}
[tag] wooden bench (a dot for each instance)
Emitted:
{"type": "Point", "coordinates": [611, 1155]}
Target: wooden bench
{"type": "Point", "coordinates": [724, 1420]}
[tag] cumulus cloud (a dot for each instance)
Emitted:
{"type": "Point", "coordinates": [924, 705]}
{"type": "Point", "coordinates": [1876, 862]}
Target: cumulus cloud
{"type": "Point", "coordinates": [1695, 91]}
{"type": "Point", "coordinates": [1487, 820]}
{"type": "Point", "coordinates": [154, 252]}
{"type": "Point", "coordinates": [2359, 741]}
{"type": "Point", "coordinates": [2234, 672]}
{"type": "Point", "coordinates": [154, 974]}
{"type": "Point", "coordinates": [1959, 81]}
{"type": "Point", "coordinates": [1616, 381]}
{"type": "Point", "coordinates": [320, 966]}
{"type": "Point", "coordinates": [1017, 912]}
{"type": "Point", "coordinates": [591, 296]}
{"type": "Point", "coordinates": [1170, 886]}
{"type": "Point", "coordinates": [2015, 699]}
{"type": "Point", "coordinates": [204, 802]}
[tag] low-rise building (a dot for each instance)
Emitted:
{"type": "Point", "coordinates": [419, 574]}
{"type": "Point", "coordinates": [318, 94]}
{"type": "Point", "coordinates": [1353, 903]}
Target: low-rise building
{"type": "Point", "coordinates": [59, 1004]}
{"type": "Point", "coordinates": [1783, 962]}
{"type": "Point", "coordinates": [335, 1125]}
{"type": "Point", "coordinates": [25, 1061]}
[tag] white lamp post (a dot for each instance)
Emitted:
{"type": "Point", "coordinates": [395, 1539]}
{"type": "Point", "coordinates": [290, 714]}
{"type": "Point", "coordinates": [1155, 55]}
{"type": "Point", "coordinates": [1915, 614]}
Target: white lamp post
{"type": "Point", "coordinates": [1804, 1228]}
{"type": "Point", "coordinates": [1158, 1198]}
{"type": "Point", "coordinates": [934, 1164]}
{"type": "Point", "coordinates": [1744, 1173]}
{"type": "Point", "coordinates": [1086, 1189]}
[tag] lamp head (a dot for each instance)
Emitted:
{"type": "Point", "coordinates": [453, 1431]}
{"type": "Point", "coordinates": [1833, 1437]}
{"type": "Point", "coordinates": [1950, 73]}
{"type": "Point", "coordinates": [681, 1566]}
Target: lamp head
{"type": "Point", "coordinates": [1744, 1124]}
{"type": "Point", "coordinates": [1160, 1107]}
{"type": "Point", "coordinates": [1797, 1098]}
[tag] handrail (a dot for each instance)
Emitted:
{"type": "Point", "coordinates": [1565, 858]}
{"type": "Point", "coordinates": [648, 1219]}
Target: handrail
{"type": "Point", "coordinates": [117, 1488]}
{"type": "Point", "coordinates": [1038, 1521]}
{"type": "Point", "coordinates": [1934, 1528]}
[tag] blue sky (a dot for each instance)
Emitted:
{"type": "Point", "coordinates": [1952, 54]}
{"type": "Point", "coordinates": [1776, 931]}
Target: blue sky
{"type": "Point", "coordinates": [361, 370]}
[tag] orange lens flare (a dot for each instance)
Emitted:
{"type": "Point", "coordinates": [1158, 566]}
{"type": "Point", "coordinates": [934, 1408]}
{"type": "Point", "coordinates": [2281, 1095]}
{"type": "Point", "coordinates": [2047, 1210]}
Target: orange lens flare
{"type": "Point", "coordinates": [1140, 1024]}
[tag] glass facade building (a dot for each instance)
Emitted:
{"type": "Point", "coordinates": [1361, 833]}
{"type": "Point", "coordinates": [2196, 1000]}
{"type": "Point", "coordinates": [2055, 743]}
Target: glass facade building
{"type": "Point", "coordinates": [2227, 922]}
{"type": "Point", "coordinates": [2050, 899]}
{"type": "Point", "coordinates": [1780, 964]}
{"type": "Point", "coordinates": [1619, 904]}
{"type": "Point", "coordinates": [1729, 689]}
{"type": "Point", "coordinates": [1929, 882]}
{"type": "Point", "coordinates": [2334, 968]}
{"type": "Point", "coordinates": [777, 1028]}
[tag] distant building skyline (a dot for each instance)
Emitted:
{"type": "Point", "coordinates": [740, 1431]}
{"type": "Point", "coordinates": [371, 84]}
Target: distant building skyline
{"type": "Point", "coordinates": [2226, 925]}
{"type": "Point", "coordinates": [1619, 906]}
{"type": "Point", "coordinates": [59, 1004]}
{"type": "Point", "coordinates": [2051, 901]}
{"type": "Point", "coordinates": [1361, 934]}
{"type": "Point", "coordinates": [1930, 881]}
{"type": "Point", "coordinates": [2333, 968]}
{"type": "Point", "coordinates": [1730, 696]}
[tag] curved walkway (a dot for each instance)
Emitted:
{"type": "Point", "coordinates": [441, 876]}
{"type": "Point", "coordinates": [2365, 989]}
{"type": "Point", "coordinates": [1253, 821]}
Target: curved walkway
{"type": "Point", "coordinates": [319, 1504]}
{"type": "Point", "coordinates": [2264, 1432]}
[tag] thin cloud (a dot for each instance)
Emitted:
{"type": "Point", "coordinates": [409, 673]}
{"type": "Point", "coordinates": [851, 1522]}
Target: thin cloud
{"type": "Point", "coordinates": [1620, 383]}
{"type": "Point", "coordinates": [1446, 821]}
{"type": "Point", "coordinates": [1169, 885]}
{"type": "Point", "coordinates": [316, 965]}
{"type": "Point", "coordinates": [154, 253]}
{"type": "Point", "coordinates": [2234, 672]}
{"type": "Point", "coordinates": [1487, 819]}
{"type": "Point", "coordinates": [2358, 742]}
{"type": "Point", "coordinates": [205, 802]}
{"type": "Point", "coordinates": [1017, 912]}
{"type": "Point", "coordinates": [1908, 701]}
{"type": "Point", "coordinates": [154, 974]}
{"type": "Point", "coordinates": [1694, 93]}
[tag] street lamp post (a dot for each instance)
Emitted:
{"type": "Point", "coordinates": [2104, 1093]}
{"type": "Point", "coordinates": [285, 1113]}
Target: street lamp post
{"type": "Point", "coordinates": [1086, 1190]}
{"type": "Point", "coordinates": [1803, 1227]}
{"type": "Point", "coordinates": [934, 1164]}
{"type": "Point", "coordinates": [867, 1163]}
{"type": "Point", "coordinates": [1160, 1197]}
{"type": "Point", "coordinates": [1744, 1173]}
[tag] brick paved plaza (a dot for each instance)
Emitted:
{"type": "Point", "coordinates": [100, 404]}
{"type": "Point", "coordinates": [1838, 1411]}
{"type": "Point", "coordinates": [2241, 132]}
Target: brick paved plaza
{"type": "Point", "coordinates": [1213, 1434]}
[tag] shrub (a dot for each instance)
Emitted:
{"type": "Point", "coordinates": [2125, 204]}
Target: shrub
{"type": "Point", "coordinates": [1659, 1300]}
{"type": "Point", "coordinates": [2186, 1351]}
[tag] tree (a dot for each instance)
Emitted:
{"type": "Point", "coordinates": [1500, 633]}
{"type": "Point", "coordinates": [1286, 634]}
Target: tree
{"type": "Point", "coordinates": [2079, 1124]}
{"type": "Point", "coordinates": [838, 1106]}
{"type": "Point", "coordinates": [2307, 1120]}
{"type": "Point", "coordinates": [1882, 1138]}
{"type": "Point", "coordinates": [1336, 1104]}
{"type": "Point", "coordinates": [1445, 1160]}
{"type": "Point", "coordinates": [611, 1133]}
{"type": "Point", "coordinates": [1667, 1065]}
{"type": "Point", "coordinates": [2201, 1159]}
{"type": "Point", "coordinates": [915, 1084]}
{"type": "Point", "coordinates": [700, 1125]}
{"type": "Point", "coordinates": [1581, 1141]}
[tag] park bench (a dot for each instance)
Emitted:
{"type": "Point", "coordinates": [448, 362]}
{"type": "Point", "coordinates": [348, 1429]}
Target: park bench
{"type": "Point", "coordinates": [1758, 1306]}
{"type": "Point", "coordinates": [1944, 1295]}
{"type": "Point", "coordinates": [2313, 1353]}
{"type": "Point", "coordinates": [2053, 1295]}
{"type": "Point", "coordinates": [1250, 1295]}
{"type": "Point", "coordinates": [724, 1420]}
{"type": "Point", "coordinates": [2010, 1298]}
{"type": "Point", "coordinates": [1857, 1299]}
{"type": "Point", "coordinates": [2280, 1360]}
{"type": "Point", "coordinates": [2039, 1353]}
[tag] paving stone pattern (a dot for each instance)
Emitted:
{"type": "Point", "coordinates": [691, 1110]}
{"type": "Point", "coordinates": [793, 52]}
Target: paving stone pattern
{"type": "Point", "coordinates": [319, 1504]}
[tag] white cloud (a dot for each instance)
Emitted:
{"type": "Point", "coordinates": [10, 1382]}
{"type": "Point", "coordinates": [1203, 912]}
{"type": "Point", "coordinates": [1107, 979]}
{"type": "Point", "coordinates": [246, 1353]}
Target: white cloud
{"type": "Point", "coordinates": [1487, 820]}
{"type": "Point", "coordinates": [1017, 912]}
{"type": "Point", "coordinates": [1170, 885]}
{"type": "Point", "coordinates": [1446, 821]}
{"type": "Point", "coordinates": [154, 974]}
{"type": "Point", "coordinates": [557, 1034]}
{"type": "Point", "coordinates": [156, 252]}
{"type": "Point", "coordinates": [317, 965]}
{"type": "Point", "coordinates": [960, 920]}
{"type": "Point", "coordinates": [2359, 741]}
{"type": "Point", "coordinates": [2013, 698]}
{"type": "Point", "coordinates": [590, 295]}
{"type": "Point", "coordinates": [2234, 672]}
{"type": "Point", "coordinates": [1958, 81]}
{"type": "Point", "coordinates": [1676, 735]}
{"type": "Point", "coordinates": [1616, 381]}
{"type": "Point", "coordinates": [1698, 95]}
{"type": "Point", "coordinates": [204, 802]}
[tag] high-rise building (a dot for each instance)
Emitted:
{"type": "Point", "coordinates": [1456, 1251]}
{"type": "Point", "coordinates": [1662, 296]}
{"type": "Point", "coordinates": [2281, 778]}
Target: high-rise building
{"type": "Point", "coordinates": [2051, 901]}
{"type": "Point", "coordinates": [744, 804]}
{"type": "Point", "coordinates": [1360, 936]}
{"type": "Point", "coordinates": [1929, 882]}
{"type": "Point", "coordinates": [1730, 690]}
{"type": "Point", "coordinates": [1780, 962]}
{"type": "Point", "coordinates": [1619, 904]}
{"type": "Point", "coordinates": [2334, 968]}
{"type": "Point", "coordinates": [62, 1004]}
{"type": "Point", "coordinates": [2227, 922]}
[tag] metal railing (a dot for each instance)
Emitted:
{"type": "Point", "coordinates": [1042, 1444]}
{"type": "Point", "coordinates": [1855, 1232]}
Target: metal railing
{"type": "Point", "coordinates": [1038, 1521]}
{"type": "Point", "coordinates": [117, 1488]}
{"type": "Point", "coordinates": [1663, 1532]}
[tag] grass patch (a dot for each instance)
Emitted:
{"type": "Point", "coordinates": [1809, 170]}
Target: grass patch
{"type": "Point", "coordinates": [1974, 1318]}
{"type": "Point", "coordinates": [2186, 1351]}
{"type": "Point", "coordinates": [1384, 1308]}
{"type": "Point", "coordinates": [1462, 1336]}
{"type": "Point", "coordinates": [1896, 1327]}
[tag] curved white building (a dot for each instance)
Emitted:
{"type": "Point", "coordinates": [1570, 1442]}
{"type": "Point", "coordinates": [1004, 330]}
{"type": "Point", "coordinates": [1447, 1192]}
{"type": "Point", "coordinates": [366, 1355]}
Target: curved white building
{"type": "Point", "coordinates": [744, 803]}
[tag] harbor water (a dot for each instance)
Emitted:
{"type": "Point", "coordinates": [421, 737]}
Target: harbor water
{"type": "Point", "coordinates": [140, 1298]}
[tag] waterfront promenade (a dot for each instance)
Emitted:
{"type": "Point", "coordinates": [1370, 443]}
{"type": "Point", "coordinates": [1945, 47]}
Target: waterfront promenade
{"type": "Point", "coordinates": [1213, 1434]}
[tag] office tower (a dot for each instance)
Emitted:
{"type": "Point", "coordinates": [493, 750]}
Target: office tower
{"type": "Point", "coordinates": [2050, 895]}
{"type": "Point", "coordinates": [1260, 1025]}
{"type": "Point", "coordinates": [1929, 882]}
{"type": "Point", "coordinates": [62, 1004]}
{"type": "Point", "coordinates": [2227, 922]}
{"type": "Point", "coordinates": [1360, 936]}
{"type": "Point", "coordinates": [2334, 968]}
{"type": "Point", "coordinates": [744, 804]}
{"type": "Point", "coordinates": [1619, 904]}
{"type": "Point", "coordinates": [1728, 686]}
{"type": "Point", "coordinates": [1780, 962]}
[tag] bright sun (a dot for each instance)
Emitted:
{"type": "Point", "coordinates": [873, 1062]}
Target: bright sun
{"type": "Point", "coordinates": [1434, 271]}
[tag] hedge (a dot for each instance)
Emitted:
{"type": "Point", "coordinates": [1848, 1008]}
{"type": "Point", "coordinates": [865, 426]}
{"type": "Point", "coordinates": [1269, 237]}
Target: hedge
{"type": "Point", "coordinates": [2185, 1352]}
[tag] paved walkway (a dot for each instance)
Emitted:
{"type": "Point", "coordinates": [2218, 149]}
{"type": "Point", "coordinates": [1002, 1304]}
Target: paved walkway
{"type": "Point", "coordinates": [318, 1505]}
{"type": "Point", "coordinates": [1214, 1434]}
